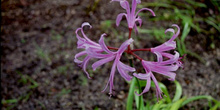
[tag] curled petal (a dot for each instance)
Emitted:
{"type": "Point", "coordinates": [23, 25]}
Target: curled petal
{"type": "Point", "coordinates": [85, 41]}
{"type": "Point", "coordinates": [142, 76]}
{"type": "Point", "coordinates": [147, 10]}
{"type": "Point", "coordinates": [147, 87]}
{"type": "Point", "coordinates": [76, 60]}
{"type": "Point", "coordinates": [85, 63]}
{"type": "Point", "coordinates": [139, 21]}
{"type": "Point", "coordinates": [172, 60]}
{"type": "Point", "coordinates": [119, 17]}
{"type": "Point", "coordinates": [126, 67]}
{"type": "Point", "coordinates": [83, 25]}
{"type": "Point", "coordinates": [159, 57]}
{"type": "Point", "coordinates": [167, 55]}
{"type": "Point", "coordinates": [135, 28]}
{"type": "Point", "coordinates": [177, 33]}
{"type": "Point", "coordinates": [102, 44]}
{"type": "Point", "coordinates": [86, 24]}
{"type": "Point", "coordinates": [170, 30]}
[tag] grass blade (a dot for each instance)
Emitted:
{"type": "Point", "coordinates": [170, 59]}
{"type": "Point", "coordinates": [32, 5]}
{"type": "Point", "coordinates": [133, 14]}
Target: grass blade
{"type": "Point", "coordinates": [178, 91]}
{"type": "Point", "coordinates": [196, 98]}
{"type": "Point", "coordinates": [131, 95]}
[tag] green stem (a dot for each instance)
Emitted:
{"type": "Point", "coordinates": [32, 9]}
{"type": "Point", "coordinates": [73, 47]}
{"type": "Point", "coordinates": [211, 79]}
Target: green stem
{"type": "Point", "coordinates": [131, 90]}
{"type": "Point", "coordinates": [139, 97]}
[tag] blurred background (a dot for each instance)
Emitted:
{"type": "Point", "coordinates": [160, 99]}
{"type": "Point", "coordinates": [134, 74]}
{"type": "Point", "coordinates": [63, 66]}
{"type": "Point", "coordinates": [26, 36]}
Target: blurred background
{"type": "Point", "coordinates": [38, 45]}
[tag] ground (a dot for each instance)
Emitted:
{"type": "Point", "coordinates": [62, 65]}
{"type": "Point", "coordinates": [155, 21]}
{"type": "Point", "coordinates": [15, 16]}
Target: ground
{"type": "Point", "coordinates": [38, 45]}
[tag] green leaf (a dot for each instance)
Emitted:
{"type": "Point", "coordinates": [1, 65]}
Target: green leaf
{"type": "Point", "coordinates": [193, 54]}
{"type": "Point", "coordinates": [131, 95]}
{"type": "Point", "coordinates": [142, 83]}
{"type": "Point", "coordinates": [178, 91]}
{"type": "Point", "coordinates": [217, 105]}
{"type": "Point", "coordinates": [9, 101]}
{"type": "Point", "coordinates": [165, 91]}
{"type": "Point", "coordinates": [186, 31]}
{"type": "Point", "coordinates": [211, 21]}
{"type": "Point", "coordinates": [139, 100]}
{"type": "Point", "coordinates": [157, 106]}
{"type": "Point", "coordinates": [196, 98]}
{"type": "Point", "coordinates": [176, 105]}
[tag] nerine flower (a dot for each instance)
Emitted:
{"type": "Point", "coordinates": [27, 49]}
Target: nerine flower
{"type": "Point", "coordinates": [131, 16]}
{"type": "Point", "coordinates": [160, 50]}
{"type": "Point", "coordinates": [165, 68]}
{"type": "Point", "coordinates": [109, 56]}
{"type": "Point", "coordinates": [85, 43]}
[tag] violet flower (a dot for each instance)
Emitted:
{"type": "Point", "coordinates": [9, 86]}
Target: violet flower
{"type": "Point", "coordinates": [131, 17]}
{"type": "Point", "coordinates": [165, 68]}
{"type": "Point", "coordinates": [160, 50]}
{"type": "Point", "coordinates": [121, 67]}
{"type": "Point", "coordinates": [85, 43]}
{"type": "Point", "coordinates": [162, 67]}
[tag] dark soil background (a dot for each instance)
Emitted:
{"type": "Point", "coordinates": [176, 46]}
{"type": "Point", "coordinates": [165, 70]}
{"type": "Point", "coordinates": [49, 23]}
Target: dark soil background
{"type": "Point", "coordinates": [38, 45]}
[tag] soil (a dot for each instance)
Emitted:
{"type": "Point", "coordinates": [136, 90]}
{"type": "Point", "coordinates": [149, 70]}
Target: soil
{"type": "Point", "coordinates": [38, 45]}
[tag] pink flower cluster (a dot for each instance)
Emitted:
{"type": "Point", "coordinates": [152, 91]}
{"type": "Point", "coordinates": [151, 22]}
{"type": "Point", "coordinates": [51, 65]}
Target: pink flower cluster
{"type": "Point", "coordinates": [104, 54]}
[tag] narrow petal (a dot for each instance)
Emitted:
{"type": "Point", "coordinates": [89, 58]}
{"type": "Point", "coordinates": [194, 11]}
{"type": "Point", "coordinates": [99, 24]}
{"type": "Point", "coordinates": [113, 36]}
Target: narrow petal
{"type": "Point", "coordinates": [170, 30]}
{"type": "Point", "coordinates": [76, 60]}
{"type": "Point", "coordinates": [124, 74]}
{"type": "Point", "coordinates": [111, 78]}
{"type": "Point", "coordinates": [133, 8]}
{"type": "Point", "coordinates": [158, 90]}
{"type": "Point", "coordinates": [147, 87]}
{"type": "Point", "coordinates": [145, 65]}
{"type": "Point", "coordinates": [124, 69]}
{"type": "Point", "coordinates": [85, 63]}
{"type": "Point", "coordinates": [138, 1]}
{"type": "Point", "coordinates": [147, 10]}
{"type": "Point", "coordinates": [83, 25]}
{"type": "Point", "coordinates": [164, 47]}
{"type": "Point", "coordinates": [101, 62]}
{"type": "Point", "coordinates": [167, 55]}
{"type": "Point", "coordinates": [90, 41]}
{"type": "Point", "coordinates": [135, 28]}
{"type": "Point", "coordinates": [159, 56]}
{"type": "Point", "coordinates": [139, 21]}
{"type": "Point", "coordinates": [81, 40]}
{"type": "Point", "coordinates": [177, 33]}
{"type": "Point", "coordinates": [94, 54]}
{"type": "Point", "coordinates": [102, 44]}
{"type": "Point", "coordinates": [164, 68]}
{"type": "Point", "coordinates": [124, 46]}
{"type": "Point", "coordinates": [172, 60]}
{"type": "Point", "coordinates": [119, 17]}
{"type": "Point", "coordinates": [143, 76]}
{"type": "Point", "coordinates": [171, 75]}
{"type": "Point", "coordinates": [124, 4]}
